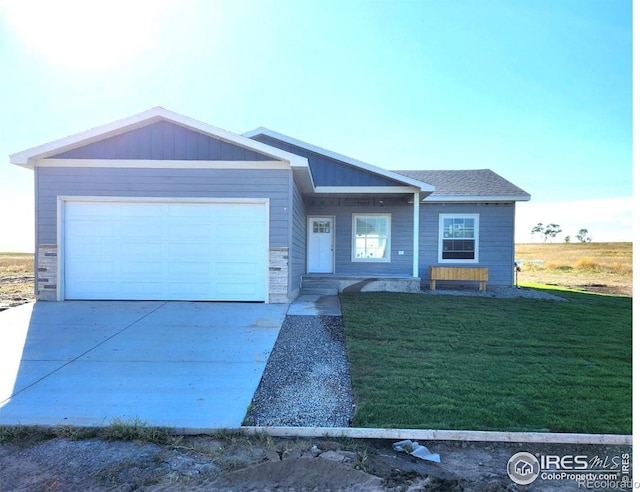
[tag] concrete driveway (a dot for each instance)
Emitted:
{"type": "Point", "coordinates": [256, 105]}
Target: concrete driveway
{"type": "Point", "coordinates": [185, 365]}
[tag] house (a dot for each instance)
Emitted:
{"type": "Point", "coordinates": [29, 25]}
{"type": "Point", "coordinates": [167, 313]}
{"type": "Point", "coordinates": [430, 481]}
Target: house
{"type": "Point", "coordinates": [161, 206]}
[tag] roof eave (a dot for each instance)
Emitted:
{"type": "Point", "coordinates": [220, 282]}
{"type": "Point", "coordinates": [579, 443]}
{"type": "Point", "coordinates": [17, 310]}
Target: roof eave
{"type": "Point", "coordinates": [476, 198]}
{"type": "Point", "coordinates": [27, 158]}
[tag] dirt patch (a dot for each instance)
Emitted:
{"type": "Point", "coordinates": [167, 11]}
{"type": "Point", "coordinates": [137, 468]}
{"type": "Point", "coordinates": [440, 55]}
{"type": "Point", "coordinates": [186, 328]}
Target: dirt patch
{"type": "Point", "coordinates": [237, 462]}
{"type": "Point", "coordinates": [16, 290]}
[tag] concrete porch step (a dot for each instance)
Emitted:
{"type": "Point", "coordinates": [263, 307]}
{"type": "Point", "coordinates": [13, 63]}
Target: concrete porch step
{"type": "Point", "coordinates": [322, 286]}
{"type": "Point", "coordinates": [331, 285]}
{"type": "Point", "coordinates": [319, 291]}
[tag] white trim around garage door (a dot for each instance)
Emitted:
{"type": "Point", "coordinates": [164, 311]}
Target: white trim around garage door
{"type": "Point", "coordinates": [63, 200]}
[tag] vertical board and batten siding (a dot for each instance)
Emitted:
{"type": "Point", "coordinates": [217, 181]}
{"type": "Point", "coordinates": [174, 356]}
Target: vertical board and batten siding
{"type": "Point", "coordinates": [298, 247]}
{"type": "Point", "coordinates": [496, 247]}
{"type": "Point", "coordinates": [401, 235]}
{"type": "Point", "coordinates": [331, 172]}
{"type": "Point", "coordinates": [163, 141]}
{"type": "Point", "coordinates": [172, 183]}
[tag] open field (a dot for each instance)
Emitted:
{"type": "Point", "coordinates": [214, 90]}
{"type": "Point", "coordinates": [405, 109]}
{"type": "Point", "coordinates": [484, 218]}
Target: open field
{"type": "Point", "coordinates": [478, 363]}
{"type": "Point", "coordinates": [13, 264]}
{"type": "Point", "coordinates": [605, 268]}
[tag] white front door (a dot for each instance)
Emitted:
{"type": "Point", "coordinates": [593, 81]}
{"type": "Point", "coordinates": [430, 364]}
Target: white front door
{"type": "Point", "coordinates": [320, 249]}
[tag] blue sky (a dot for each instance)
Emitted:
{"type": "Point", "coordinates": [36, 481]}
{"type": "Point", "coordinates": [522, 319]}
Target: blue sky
{"type": "Point", "coordinates": [539, 91]}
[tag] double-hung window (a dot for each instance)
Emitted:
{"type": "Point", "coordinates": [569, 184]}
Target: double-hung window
{"type": "Point", "coordinates": [458, 238]}
{"type": "Point", "coordinates": [371, 237]}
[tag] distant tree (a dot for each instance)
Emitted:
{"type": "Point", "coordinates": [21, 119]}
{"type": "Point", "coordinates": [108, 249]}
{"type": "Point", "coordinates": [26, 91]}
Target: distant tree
{"type": "Point", "coordinates": [551, 231]}
{"type": "Point", "coordinates": [582, 236]}
{"type": "Point", "coordinates": [567, 239]}
{"type": "Point", "coordinates": [538, 229]}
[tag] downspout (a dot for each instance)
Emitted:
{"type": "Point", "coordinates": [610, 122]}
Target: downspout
{"type": "Point", "coordinates": [416, 232]}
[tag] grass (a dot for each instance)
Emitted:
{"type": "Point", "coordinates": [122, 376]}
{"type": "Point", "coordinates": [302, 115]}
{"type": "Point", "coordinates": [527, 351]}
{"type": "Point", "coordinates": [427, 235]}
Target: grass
{"type": "Point", "coordinates": [475, 363]}
{"type": "Point", "coordinates": [12, 264]}
{"type": "Point", "coordinates": [117, 430]}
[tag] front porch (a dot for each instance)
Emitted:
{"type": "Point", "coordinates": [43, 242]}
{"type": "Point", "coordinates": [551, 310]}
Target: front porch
{"type": "Point", "coordinates": [326, 284]}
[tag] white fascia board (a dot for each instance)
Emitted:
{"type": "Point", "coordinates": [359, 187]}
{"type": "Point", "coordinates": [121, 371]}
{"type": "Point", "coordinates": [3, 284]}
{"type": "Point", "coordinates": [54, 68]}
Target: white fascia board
{"type": "Point", "coordinates": [339, 157]}
{"type": "Point", "coordinates": [27, 157]}
{"type": "Point", "coordinates": [476, 199]}
{"type": "Point", "coordinates": [164, 164]}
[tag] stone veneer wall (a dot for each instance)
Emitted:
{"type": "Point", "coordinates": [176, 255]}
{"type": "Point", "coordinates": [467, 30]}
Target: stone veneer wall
{"type": "Point", "coordinates": [279, 275]}
{"type": "Point", "coordinates": [47, 274]}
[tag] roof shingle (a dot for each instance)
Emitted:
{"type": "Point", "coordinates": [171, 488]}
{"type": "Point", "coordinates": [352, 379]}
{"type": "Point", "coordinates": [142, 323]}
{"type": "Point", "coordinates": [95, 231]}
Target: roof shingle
{"type": "Point", "coordinates": [468, 183]}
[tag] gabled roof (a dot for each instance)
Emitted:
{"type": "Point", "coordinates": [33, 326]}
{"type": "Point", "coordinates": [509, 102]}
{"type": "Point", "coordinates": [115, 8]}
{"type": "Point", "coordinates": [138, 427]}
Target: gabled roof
{"type": "Point", "coordinates": [404, 180]}
{"type": "Point", "coordinates": [436, 186]}
{"type": "Point", "coordinates": [469, 186]}
{"type": "Point", "coordinates": [27, 157]}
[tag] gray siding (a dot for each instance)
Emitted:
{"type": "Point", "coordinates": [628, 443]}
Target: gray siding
{"type": "Point", "coordinates": [331, 172]}
{"type": "Point", "coordinates": [496, 247]}
{"type": "Point", "coordinates": [163, 141]}
{"type": "Point", "coordinates": [126, 182]}
{"type": "Point", "coordinates": [298, 248]}
{"type": "Point", "coordinates": [401, 234]}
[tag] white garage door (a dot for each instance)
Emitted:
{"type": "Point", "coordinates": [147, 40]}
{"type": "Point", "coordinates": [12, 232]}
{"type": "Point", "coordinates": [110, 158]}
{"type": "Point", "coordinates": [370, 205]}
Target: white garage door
{"type": "Point", "coordinates": [165, 251]}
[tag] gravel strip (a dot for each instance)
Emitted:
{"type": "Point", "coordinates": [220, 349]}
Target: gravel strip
{"type": "Point", "coordinates": [306, 382]}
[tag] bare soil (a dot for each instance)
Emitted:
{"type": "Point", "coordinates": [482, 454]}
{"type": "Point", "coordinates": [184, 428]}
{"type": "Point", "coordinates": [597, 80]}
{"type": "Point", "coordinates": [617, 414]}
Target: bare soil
{"type": "Point", "coordinates": [241, 463]}
{"type": "Point", "coordinates": [16, 290]}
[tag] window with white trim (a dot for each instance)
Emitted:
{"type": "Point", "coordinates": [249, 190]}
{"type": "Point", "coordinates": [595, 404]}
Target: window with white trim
{"type": "Point", "coordinates": [371, 237]}
{"type": "Point", "coordinates": [458, 238]}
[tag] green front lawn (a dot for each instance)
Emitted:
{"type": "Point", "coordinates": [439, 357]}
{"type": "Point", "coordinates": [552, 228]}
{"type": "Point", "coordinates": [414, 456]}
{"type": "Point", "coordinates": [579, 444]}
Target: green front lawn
{"type": "Point", "coordinates": [476, 363]}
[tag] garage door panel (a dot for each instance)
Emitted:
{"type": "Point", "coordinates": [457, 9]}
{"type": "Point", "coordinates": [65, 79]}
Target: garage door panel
{"type": "Point", "coordinates": [150, 269]}
{"type": "Point", "coordinates": [143, 291]}
{"type": "Point", "coordinates": [240, 278]}
{"type": "Point", "coordinates": [192, 290]}
{"type": "Point", "coordinates": [194, 230]}
{"type": "Point", "coordinates": [172, 251]}
{"type": "Point", "coordinates": [234, 289]}
{"type": "Point", "coordinates": [139, 250]}
{"type": "Point", "coordinates": [241, 252]}
{"type": "Point", "coordinates": [90, 229]}
{"type": "Point", "coordinates": [190, 268]}
{"type": "Point", "coordinates": [236, 268]}
{"type": "Point", "coordinates": [85, 268]}
{"type": "Point", "coordinates": [147, 210]}
{"type": "Point", "coordinates": [148, 229]}
{"type": "Point", "coordinates": [90, 210]}
{"type": "Point", "coordinates": [99, 288]}
{"type": "Point", "coordinates": [185, 249]}
{"type": "Point", "coordinates": [189, 211]}
{"type": "Point", "coordinates": [89, 248]}
{"type": "Point", "coordinates": [239, 236]}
